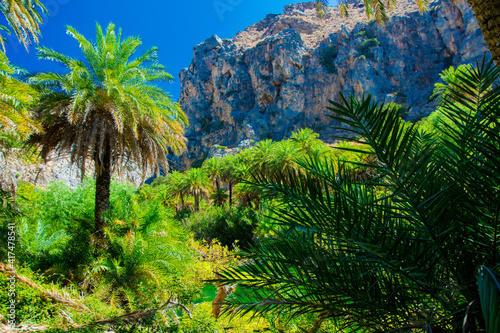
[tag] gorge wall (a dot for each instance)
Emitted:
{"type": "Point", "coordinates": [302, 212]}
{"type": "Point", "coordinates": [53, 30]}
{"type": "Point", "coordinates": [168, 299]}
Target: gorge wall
{"type": "Point", "coordinates": [278, 75]}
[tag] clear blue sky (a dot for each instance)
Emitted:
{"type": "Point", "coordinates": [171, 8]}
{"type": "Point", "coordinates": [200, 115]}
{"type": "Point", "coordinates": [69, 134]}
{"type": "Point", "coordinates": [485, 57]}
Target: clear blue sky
{"type": "Point", "coordinates": [173, 26]}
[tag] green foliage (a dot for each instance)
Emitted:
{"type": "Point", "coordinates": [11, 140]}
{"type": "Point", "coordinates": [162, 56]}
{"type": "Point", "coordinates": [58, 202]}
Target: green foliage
{"type": "Point", "coordinates": [396, 251]}
{"type": "Point", "coordinates": [368, 33]}
{"type": "Point", "coordinates": [55, 226]}
{"type": "Point", "coordinates": [24, 17]}
{"type": "Point", "coordinates": [30, 303]}
{"type": "Point", "coordinates": [449, 77]}
{"type": "Point", "coordinates": [145, 251]}
{"type": "Point", "coordinates": [489, 293]}
{"type": "Point", "coordinates": [113, 94]}
{"type": "Point", "coordinates": [228, 224]}
{"type": "Point", "coordinates": [366, 45]}
{"type": "Point", "coordinates": [195, 182]}
{"type": "Point", "coordinates": [328, 58]}
{"type": "Point", "coordinates": [15, 100]}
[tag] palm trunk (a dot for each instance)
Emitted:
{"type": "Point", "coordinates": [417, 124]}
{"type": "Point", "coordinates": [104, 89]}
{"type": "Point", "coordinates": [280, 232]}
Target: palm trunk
{"type": "Point", "coordinates": [218, 198]}
{"type": "Point", "coordinates": [230, 193]}
{"type": "Point", "coordinates": [182, 202]}
{"type": "Point", "coordinates": [488, 16]}
{"type": "Point", "coordinates": [102, 189]}
{"type": "Point", "coordinates": [196, 202]}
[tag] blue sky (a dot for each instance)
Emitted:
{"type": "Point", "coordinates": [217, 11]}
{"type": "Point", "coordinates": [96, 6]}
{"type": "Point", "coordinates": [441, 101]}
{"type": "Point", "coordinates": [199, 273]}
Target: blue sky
{"type": "Point", "coordinates": [173, 26]}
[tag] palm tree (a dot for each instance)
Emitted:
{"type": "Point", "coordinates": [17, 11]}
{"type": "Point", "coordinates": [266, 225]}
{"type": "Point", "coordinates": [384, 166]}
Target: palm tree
{"type": "Point", "coordinates": [15, 100]}
{"type": "Point", "coordinates": [141, 260]}
{"type": "Point", "coordinates": [247, 194]}
{"type": "Point", "coordinates": [213, 168]}
{"type": "Point", "coordinates": [233, 170]}
{"type": "Point", "coordinates": [487, 15]}
{"type": "Point", "coordinates": [260, 155]}
{"type": "Point", "coordinates": [175, 187]}
{"type": "Point", "coordinates": [107, 109]}
{"type": "Point", "coordinates": [284, 156]}
{"type": "Point", "coordinates": [196, 183]}
{"type": "Point", "coordinates": [400, 251]}
{"type": "Point", "coordinates": [16, 97]}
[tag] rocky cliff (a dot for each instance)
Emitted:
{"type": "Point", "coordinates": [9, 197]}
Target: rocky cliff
{"type": "Point", "coordinates": [277, 75]}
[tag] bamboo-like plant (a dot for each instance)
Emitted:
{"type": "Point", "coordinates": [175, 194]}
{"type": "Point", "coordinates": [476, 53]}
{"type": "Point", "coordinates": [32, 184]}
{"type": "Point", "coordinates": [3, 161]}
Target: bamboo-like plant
{"type": "Point", "coordinates": [399, 251]}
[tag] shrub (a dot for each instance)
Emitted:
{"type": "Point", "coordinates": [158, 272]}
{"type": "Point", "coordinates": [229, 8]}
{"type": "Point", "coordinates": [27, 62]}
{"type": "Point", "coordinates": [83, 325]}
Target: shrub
{"type": "Point", "coordinates": [30, 302]}
{"type": "Point", "coordinates": [368, 33]}
{"type": "Point", "coordinates": [328, 57]}
{"type": "Point", "coordinates": [227, 224]}
{"type": "Point", "coordinates": [365, 46]}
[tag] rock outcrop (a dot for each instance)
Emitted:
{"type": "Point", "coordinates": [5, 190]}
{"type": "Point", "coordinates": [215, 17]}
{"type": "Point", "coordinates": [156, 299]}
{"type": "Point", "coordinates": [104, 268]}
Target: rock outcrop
{"type": "Point", "coordinates": [278, 75]}
{"type": "Point", "coordinates": [57, 169]}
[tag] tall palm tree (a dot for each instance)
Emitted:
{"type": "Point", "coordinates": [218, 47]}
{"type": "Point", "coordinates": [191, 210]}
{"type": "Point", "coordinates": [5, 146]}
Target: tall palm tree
{"type": "Point", "coordinates": [24, 17]}
{"type": "Point", "coordinates": [16, 98]}
{"type": "Point", "coordinates": [487, 15]}
{"type": "Point", "coordinates": [108, 109]}
{"type": "Point", "coordinates": [399, 251]}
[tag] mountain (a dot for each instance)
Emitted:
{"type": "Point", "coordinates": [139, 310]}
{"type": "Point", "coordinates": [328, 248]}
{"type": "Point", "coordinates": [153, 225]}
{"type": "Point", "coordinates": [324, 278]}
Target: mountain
{"type": "Point", "coordinates": [277, 75]}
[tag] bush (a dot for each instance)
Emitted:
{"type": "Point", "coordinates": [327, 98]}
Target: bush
{"type": "Point", "coordinates": [328, 57]}
{"type": "Point", "coordinates": [365, 46]}
{"type": "Point", "coordinates": [227, 224]}
{"type": "Point", "coordinates": [30, 302]}
{"type": "Point", "coordinates": [369, 33]}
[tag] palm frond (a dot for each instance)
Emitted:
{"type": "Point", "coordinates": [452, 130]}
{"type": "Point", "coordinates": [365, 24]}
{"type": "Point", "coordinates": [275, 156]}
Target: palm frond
{"type": "Point", "coordinates": [395, 251]}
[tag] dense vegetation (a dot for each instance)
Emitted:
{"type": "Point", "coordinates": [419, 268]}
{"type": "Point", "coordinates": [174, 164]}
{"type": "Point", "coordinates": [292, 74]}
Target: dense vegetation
{"type": "Point", "coordinates": [393, 228]}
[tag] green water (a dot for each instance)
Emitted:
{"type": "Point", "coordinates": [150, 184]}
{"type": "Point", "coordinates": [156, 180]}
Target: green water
{"type": "Point", "coordinates": [207, 294]}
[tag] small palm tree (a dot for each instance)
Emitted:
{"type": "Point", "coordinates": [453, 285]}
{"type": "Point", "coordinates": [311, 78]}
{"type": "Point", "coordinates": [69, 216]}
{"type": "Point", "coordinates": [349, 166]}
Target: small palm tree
{"type": "Point", "coordinates": [213, 168]}
{"type": "Point", "coordinates": [107, 109]}
{"type": "Point", "coordinates": [196, 183]}
{"type": "Point", "coordinates": [175, 187]}
{"type": "Point", "coordinates": [143, 256]}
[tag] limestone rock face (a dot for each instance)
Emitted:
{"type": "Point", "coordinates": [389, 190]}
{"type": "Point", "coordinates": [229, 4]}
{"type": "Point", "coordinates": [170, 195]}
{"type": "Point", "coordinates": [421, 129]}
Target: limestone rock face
{"type": "Point", "coordinates": [57, 169]}
{"type": "Point", "coordinates": [278, 75]}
